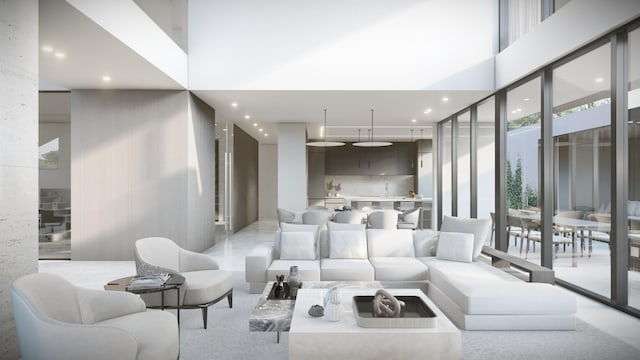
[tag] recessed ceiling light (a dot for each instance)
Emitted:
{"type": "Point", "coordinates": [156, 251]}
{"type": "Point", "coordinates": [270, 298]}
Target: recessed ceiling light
{"type": "Point", "coordinates": [224, 130]}
{"type": "Point", "coordinates": [526, 99]}
{"type": "Point", "coordinates": [247, 117]}
{"type": "Point", "coordinates": [260, 129]}
{"type": "Point", "coordinates": [445, 99]}
{"type": "Point", "coordinates": [265, 134]}
{"type": "Point", "coordinates": [234, 104]}
{"type": "Point", "coordinates": [59, 55]}
{"type": "Point", "coordinates": [255, 124]}
{"type": "Point", "coordinates": [413, 120]}
{"type": "Point", "coordinates": [106, 78]}
{"type": "Point", "coordinates": [599, 79]}
{"type": "Point", "coordinates": [47, 48]}
{"type": "Point", "coordinates": [427, 111]}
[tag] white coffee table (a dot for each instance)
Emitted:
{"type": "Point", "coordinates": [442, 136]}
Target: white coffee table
{"type": "Point", "coordinates": [318, 338]}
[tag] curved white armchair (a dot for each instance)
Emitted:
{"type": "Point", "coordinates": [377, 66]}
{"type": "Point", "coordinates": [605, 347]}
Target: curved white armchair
{"type": "Point", "coordinates": [383, 219]}
{"type": "Point", "coordinates": [58, 320]}
{"type": "Point", "coordinates": [204, 283]}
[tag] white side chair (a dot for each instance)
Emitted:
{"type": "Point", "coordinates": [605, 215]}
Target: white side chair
{"type": "Point", "coordinates": [349, 217]}
{"type": "Point", "coordinates": [316, 217]}
{"type": "Point", "coordinates": [285, 216]}
{"type": "Point", "coordinates": [58, 320]}
{"type": "Point", "coordinates": [408, 219]}
{"type": "Point", "coordinates": [383, 219]}
{"type": "Point", "coordinates": [204, 283]}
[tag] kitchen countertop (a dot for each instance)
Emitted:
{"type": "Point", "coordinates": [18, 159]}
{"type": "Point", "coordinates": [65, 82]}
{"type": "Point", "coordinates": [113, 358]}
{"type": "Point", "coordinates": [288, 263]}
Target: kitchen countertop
{"type": "Point", "coordinates": [384, 198]}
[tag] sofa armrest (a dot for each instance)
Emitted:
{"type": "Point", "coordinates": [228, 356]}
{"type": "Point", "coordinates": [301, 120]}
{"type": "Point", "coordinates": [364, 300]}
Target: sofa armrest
{"type": "Point", "coordinates": [193, 261]}
{"type": "Point", "coordinates": [100, 305]}
{"type": "Point", "coordinates": [257, 262]}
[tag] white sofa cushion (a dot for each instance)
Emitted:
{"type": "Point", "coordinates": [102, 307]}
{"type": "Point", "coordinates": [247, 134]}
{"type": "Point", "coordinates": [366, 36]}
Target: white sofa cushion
{"type": "Point", "coordinates": [455, 246]}
{"type": "Point", "coordinates": [399, 269]}
{"type": "Point", "coordinates": [346, 270]}
{"type": "Point", "coordinates": [333, 227]}
{"type": "Point", "coordinates": [309, 270]}
{"type": "Point", "coordinates": [284, 227]}
{"type": "Point", "coordinates": [298, 245]}
{"type": "Point", "coordinates": [425, 242]}
{"type": "Point", "coordinates": [480, 228]}
{"type": "Point", "coordinates": [478, 290]}
{"type": "Point", "coordinates": [390, 243]}
{"type": "Point", "coordinates": [347, 244]}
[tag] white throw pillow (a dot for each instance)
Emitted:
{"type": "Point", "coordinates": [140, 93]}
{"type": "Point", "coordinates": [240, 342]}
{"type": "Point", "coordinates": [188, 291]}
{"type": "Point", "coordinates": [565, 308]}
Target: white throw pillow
{"type": "Point", "coordinates": [480, 228]}
{"type": "Point", "coordinates": [297, 245]}
{"type": "Point", "coordinates": [348, 244]}
{"type": "Point", "coordinates": [286, 227]}
{"type": "Point", "coordinates": [455, 246]}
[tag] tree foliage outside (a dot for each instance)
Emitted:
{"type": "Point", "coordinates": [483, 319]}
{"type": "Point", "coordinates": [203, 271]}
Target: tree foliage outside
{"type": "Point", "coordinates": [516, 197]}
{"type": "Point", "coordinates": [49, 160]}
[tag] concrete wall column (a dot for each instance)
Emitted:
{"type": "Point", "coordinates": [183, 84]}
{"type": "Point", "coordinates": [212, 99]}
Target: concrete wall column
{"type": "Point", "coordinates": [18, 156]}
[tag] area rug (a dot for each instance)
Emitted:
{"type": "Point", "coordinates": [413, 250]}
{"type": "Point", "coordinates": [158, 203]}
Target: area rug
{"type": "Point", "coordinates": [228, 337]}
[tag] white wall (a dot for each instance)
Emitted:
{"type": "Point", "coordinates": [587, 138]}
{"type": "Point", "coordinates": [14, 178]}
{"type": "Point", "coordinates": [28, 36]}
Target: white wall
{"type": "Point", "coordinates": [268, 184]}
{"type": "Point", "coordinates": [292, 167]}
{"type": "Point", "coordinates": [18, 156]}
{"type": "Point", "coordinates": [340, 44]}
{"type": "Point", "coordinates": [138, 171]}
{"type": "Point", "coordinates": [59, 178]}
{"type": "Point", "coordinates": [572, 26]}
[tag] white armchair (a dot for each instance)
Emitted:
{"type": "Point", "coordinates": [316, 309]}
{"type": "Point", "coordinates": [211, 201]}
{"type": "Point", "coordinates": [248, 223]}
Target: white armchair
{"type": "Point", "coordinates": [58, 320]}
{"type": "Point", "coordinates": [204, 283]}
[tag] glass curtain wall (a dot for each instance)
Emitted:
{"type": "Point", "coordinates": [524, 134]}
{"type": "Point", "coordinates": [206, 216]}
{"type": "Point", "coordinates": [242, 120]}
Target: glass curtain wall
{"type": "Point", "coordinates": [522, 170]}
{"type": "Point", "coordinates": [582, 170]}
{"type": "Point", "coordinates": [463, 144]}
{"type": "Point", "coordinates": [634, 169]}
{"type": "Point", "coordinates": [486, 164]}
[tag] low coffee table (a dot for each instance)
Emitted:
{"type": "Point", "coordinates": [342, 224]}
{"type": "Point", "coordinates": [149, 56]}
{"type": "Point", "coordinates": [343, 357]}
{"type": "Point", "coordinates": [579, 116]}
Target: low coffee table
{"type": "Point", "coordinates": [318, 338]}
{"type": "Point", "coordinates": [275, 314]}
{"type": "Point", "coordinates": [121, 285]}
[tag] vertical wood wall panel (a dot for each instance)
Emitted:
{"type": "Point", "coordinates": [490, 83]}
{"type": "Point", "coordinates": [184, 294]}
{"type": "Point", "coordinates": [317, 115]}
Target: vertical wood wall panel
{"type": "Point", "coordinates": [245, 179]}
{"type": "Point", "coordinates": [129, 172]}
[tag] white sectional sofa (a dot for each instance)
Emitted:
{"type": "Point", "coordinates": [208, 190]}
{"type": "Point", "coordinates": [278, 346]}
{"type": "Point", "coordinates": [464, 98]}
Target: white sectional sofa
{"type": "Point", "coordinates": [445, 265]}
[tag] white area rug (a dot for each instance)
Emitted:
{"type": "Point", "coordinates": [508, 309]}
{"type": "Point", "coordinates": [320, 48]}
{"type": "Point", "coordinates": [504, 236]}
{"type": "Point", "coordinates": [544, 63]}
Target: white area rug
{"type": "Point", "coordinates": [228, 337]}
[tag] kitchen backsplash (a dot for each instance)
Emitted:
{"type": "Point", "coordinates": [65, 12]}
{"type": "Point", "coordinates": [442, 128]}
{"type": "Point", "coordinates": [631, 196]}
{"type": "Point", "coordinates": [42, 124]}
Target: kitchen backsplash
{"type": "Point", "coordinates": [370, 185]}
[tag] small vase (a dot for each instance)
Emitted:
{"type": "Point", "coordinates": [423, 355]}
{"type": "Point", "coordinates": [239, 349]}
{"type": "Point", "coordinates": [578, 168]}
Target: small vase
{"type": "Point", "coordinates": [294, 281]}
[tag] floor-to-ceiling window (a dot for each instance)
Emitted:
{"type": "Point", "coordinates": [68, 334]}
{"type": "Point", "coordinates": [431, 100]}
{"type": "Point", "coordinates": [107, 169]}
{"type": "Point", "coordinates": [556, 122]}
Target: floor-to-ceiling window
{"type": "Point", "coordinates": [522, 164]}
{"type": "Point", "coordinates": [582, 169]}
{"type": "Point", "coordinates": [446, 169]}
{"type": "Point", "coordinates": [486, 155]}
{"type": "Point", "coordinates": [633, 130]}
{"type": "Point", "coordinates": [463, 145]}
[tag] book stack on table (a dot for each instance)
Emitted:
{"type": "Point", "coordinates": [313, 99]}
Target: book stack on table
{"type": "Point", "coordinates": [145, 282]}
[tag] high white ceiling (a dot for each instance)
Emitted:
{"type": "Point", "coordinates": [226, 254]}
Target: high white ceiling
{"type": "Point", "coordinates": [90, 53]}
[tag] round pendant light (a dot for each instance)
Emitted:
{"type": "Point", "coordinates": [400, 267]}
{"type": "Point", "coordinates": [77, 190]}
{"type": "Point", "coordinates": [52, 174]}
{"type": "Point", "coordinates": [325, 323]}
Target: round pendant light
{"type": "Point", "coordinates": [324, 142]}
{"type": "Point", "coordinates": [372, 143]}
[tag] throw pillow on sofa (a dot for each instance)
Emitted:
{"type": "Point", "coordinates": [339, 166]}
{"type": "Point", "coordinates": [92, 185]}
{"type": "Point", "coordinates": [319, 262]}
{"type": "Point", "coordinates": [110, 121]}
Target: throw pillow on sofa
{"type": "Point", "coordinates": [348, 244]}
{"type": "Point", "coordinates": [480, 228]}
{"type": "Point", "coordinates": [284, 227]}
{"type": "Point", "coordinates": [298, 245]}
{"type": "Point", "coordinates": [455, 246]}
{"type": "Point", "coordinates": [333, 227]}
